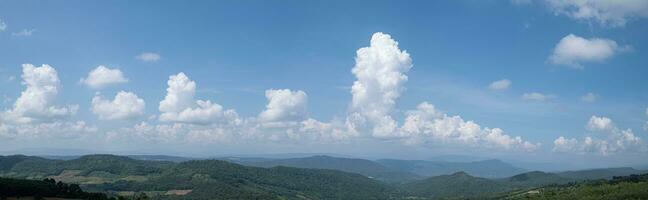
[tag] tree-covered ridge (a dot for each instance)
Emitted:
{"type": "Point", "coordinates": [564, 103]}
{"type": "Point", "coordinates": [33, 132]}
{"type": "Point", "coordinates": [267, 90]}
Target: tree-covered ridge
{"type": "Point", "coordinates": [44, 188]}
{"type": "Point", "coordinates": [623, 187]}
{"type": "Point", "coordinates": [19, 166]}
{"type": "Point", "coordinates": [458, 185]}
{"type": "Point", "coordinates": [215, 179]}
{"type": "Point", "coordinates": [218, 179]}
{"type": "Point", "coordinates": [492, 168]}
{"type": "Point", "coordinates": [361, 166]}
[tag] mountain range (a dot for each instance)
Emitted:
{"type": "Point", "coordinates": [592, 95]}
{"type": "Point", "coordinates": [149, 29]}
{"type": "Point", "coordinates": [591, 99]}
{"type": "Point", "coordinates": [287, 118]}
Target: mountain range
{"type": "Point", "coordinates": [314, 177]}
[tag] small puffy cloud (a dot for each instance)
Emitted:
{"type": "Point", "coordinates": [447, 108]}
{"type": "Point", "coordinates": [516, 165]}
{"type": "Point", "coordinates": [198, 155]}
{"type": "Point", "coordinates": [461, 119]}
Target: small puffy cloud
{"type": "Point", "coordinates": [561, 144]}
{"type": "Point", "coordinates": [613, 13]}
{"type": "Point", "coordinates": [427, 124]}
{"type": "Point", "coordinates": [589, 97]}
{"type": "Point", "coordinates": [3, 26]}
{"type": "Point", "coordinates": [380, 77]}
{"type": "Point", "coordinates": [148, 57]}
{"type": "Point", "coordinates": [615, 140]}
{"type": "Point", "coordinates": [24, 33]}
{"type": "Point", "coordinates": [536, 96]}
{"type": "Point", "coordinates": [500, 84]}
{"type": "Point", "coordinates": [35, 102]}
{"type": "Point", "coordinates": [573, 50]}
{"type": "Point", "coordinates": [284, 105]}
{"type": "Point", "coordinates": [596, 123]}
{"type": "Point", "coordinates": [103, 76]}
{"type": "Point", "coordinates": [126, 105]}
{"type": "Point", "coordinates": [180, 106]}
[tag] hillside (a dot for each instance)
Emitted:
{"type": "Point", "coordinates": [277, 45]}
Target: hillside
{"type": "Point", "coordinates": [534, 179]}
{"type": "Point", "coordinates": [204, 179]}
{"type": "Point", "coordinates": [457, 185]}
{"type": "Point", "coordinates": [361, 166]}
{"type": "Point", "coordinates": [223, 180]}
{"type": "Point", "coordinates": [624, 187]}
{"type": "Point", "coordinates": [318, 177]}
{"type": "Point", "coordinates": [463, 185]}
{"type": "Point", "coordinates": [606, 173]}
{"type": "Point", "coordinates": [44, 188]}
{"type": "Point", "coordinates": [487, 168]}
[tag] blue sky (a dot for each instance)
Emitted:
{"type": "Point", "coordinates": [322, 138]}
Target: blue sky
{"type": "Point", "coordinates": [236, 50]}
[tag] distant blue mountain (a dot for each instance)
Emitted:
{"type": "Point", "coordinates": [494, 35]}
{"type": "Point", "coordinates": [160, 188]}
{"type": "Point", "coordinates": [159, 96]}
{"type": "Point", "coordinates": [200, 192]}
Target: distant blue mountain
{"type": "Point", "coordinates": [492, 168]}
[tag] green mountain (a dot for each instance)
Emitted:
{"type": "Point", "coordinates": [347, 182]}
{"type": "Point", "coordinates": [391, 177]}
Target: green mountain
{"type": "Point", "coordinates": [622, 187]}
{"type": "Point", "coordinates": [44, 188]}
{"type": "Point", "coordinates": [214, 179]}
{"type": "Point", "coordinates": [487, 168]}
{"type": "Point", "coordinates": [534, 179]}
{"type": "Point", "coordinates": [368, 168]}
{"type": "Point", "coordinates": [318, 177]}
{"type": "Point", "coordinates": [457, 185]}
{"type": "Point", "coordinates": [204, 179]}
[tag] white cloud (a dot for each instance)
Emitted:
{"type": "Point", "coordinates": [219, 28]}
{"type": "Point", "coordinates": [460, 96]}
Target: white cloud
{"type": "Point", "coordinates": [148, 57]}
{"type": "Point", "coordinates": [614, 13]}
{"type": "Point", "coordinates": [596, 123]}
{"type": "Point", "coordinates": [380, 71]}
{"type": "Point", "coordinates": [24, 33]}
{"type": "Point", "coordinates": [565, 145]}
{"type": "Point", "coordinates": [616, 140]}
{"type": "Point", "coordinates": [3, 26]}
{"type": "Point", "coordinates": [56, 129]}
{"type": "Point", "coordinates": [536, 96]}
{"type": "Point", "coordinates": [179, 104]}
{"type": "Point", "coordinates": [126, 105]}
{"type": "Point", "coordinates": [175, 133]}
{"type": "Point", "coordinates": [33, 115]}
{"type": "Point", "coordinates": [34, 104]}
{"type": "Point", "coordinates": [573, 50]}
{"type": "Point", "coordinates": [428, 124]}
{"type": "Point", "coordinates": [103, 76]}
{"type": "Point", "coordinates": [284, 105]}
{"type": "Point", "coordinates": [500, 84]}
{"type": "Point", "coordinates": [589, 97]}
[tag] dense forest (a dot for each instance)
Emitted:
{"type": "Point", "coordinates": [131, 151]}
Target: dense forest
{"type": "Point", "coordinates": [45, 188]}
{"type": "Point", "coordinates": [623, 187]}
{"type": "Point", "coordinates": [110, 176]}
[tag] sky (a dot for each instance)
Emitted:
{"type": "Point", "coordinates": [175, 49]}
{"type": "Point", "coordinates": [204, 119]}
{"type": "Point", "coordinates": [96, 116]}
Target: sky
{"type": "Point", "coordinates": [528, 80]}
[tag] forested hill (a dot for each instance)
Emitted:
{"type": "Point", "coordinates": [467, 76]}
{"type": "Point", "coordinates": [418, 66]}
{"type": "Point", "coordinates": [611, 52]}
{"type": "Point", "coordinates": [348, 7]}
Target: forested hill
{"type": "Point", "coordinates": [315, 179]}
{"type": "Point", "coordinates": [621, 187]}
{"type": "Point", "coordinates": [205, 179]}
{"type": "Point", "coordinates": [361, 166]}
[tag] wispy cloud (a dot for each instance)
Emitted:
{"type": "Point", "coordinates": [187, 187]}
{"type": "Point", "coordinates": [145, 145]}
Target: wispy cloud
{"type": "Point", "coordinates": [536, 96]}
{"type": "Point", "coordinates": [3, 25]}
{"type": "Point", "coordinates": [24, 33]}
{"type": "Point", "coordinates": [500, 85]}
{"type": "Point", "coordinates": [589, 97]}
{"type": "Point", "coordinates": [148, 57]}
